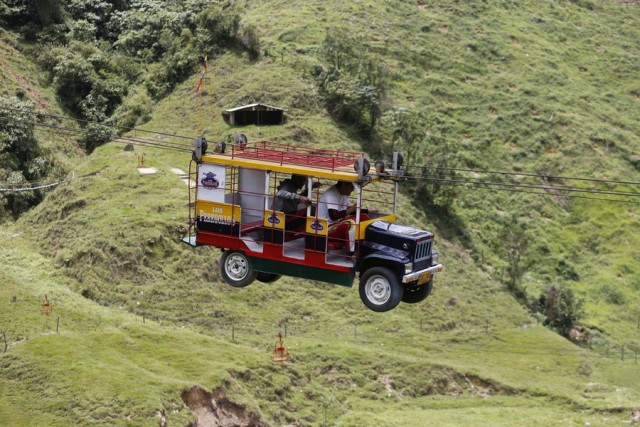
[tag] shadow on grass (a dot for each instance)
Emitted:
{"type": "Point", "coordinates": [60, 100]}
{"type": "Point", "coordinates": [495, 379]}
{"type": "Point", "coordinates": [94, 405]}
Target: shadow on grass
{"type": "Point", "coordinates": [449, 225]}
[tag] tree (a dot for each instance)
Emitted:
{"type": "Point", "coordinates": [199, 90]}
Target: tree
{"type": "Point", "coordinates": [48, 11]}
{"type": "Point", "coordinates": [352, 81]}
{"type": "Point", "coordinates": [21, 160]}
{"type": "Point", "coordinates": [408, 131]}
{"type": "Point", "coordinates": [560, 308]}
{"type": "Point", "coordinates": [515, 245]}
{"type": "Point", "coordinates": [417, 134]}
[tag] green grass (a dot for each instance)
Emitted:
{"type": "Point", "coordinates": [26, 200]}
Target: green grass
{"type": "Point", "coordinates": [522, 86]}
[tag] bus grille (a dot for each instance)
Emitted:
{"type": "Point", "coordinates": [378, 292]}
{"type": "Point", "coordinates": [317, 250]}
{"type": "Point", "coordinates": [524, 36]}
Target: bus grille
{"type": "Point", "coordinates": [422, 255]}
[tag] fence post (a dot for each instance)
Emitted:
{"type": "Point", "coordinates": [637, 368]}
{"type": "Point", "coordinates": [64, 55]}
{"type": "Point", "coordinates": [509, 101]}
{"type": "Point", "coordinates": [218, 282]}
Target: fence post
{"type": "Point", "coordinates": [58, 325]}
{"type": "Point", "coordinates": [143, 317]}
{"type": "Point", "coordinates": [233, 332]}
{"type": "Point", "coordinates": [5, 341]}
{"type": "Point", "coordinates": [622, 352]}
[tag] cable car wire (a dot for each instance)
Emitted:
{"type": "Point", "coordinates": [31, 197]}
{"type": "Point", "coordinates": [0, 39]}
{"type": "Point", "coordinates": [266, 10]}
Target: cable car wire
{"type": "Point", "coordinates": [134, 140]}
{"type": "Point", "coordinates": [543, 187]}
{"type": "Point", "coordinates": [167, 145]}
{"type": "Point", "coordinates": [31, 188]}
{"type": "Point", "coordinates": [545, 176]}
{"type": "Point", "coordinates": [570, 196]}
{"type": "Point", "coordinates": [125, 128]}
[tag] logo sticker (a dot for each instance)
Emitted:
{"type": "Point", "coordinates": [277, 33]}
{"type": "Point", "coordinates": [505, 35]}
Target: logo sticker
{"type": "Point", "coordinates": [210, 181]}
{"type": "Point", "coordinates": [273, 219]}
{"type": "Point", "coordinates": [316, 226]}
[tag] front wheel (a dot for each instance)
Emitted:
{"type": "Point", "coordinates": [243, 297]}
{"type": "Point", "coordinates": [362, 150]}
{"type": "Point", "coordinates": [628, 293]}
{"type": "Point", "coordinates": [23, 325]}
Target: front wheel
{"type": "Point", "coordinates": [236, 269]}
{"type": "Point", "coordinates": [414, 294]}
{"type": "Point", "coordinates": [379, 289]}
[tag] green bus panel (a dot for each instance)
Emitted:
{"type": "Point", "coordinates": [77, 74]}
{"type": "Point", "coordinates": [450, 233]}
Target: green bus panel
{"type": "Point", "coordinates": [303, 271]}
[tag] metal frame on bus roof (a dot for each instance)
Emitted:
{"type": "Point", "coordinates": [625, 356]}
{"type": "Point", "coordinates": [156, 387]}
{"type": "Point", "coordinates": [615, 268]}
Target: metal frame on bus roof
{"type": "Point", "coordinates": [278, 157]}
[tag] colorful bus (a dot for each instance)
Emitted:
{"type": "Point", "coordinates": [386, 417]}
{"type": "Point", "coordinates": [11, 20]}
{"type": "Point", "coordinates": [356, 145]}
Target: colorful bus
{"type": "Point", "coordinates": [234, 206]}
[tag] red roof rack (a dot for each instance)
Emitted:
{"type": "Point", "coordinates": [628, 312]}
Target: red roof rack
{"type": "Point", "coordinates": [291, 154]}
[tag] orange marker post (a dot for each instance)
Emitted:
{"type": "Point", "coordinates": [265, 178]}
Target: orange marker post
{"type": "Point", "coordinates": [280, 354]}
{"type": "Point", "coordinates": [46, 306]}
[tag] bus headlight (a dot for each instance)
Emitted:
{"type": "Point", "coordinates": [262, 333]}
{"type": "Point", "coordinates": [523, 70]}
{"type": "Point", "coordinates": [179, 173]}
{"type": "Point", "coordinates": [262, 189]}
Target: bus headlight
{"type": "Point", "coordinates": [434, 258]}
{"type": "Point", "coordinates": [408, 268]}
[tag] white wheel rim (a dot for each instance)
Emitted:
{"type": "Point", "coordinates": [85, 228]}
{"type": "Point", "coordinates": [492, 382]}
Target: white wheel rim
{"type": "Point", "coordinates": [236, 267]}
{"type": "Point", "coordinates": [378, 290]}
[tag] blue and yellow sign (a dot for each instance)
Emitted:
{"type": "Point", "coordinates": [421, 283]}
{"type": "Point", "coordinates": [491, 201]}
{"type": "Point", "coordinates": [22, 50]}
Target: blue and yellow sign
{"type": "Point", "coordinates": [317, 226]}
{"type": "Point", "coordinates": [274, 219]}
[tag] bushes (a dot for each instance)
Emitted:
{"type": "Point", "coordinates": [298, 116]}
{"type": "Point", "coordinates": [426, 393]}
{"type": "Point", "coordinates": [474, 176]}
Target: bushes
{"type": "Point", "coordinates": [216, 27]}
{"type": "Point", "coordinates": [250, 40]}
{"type": "Point", "coordinates": [73, 77]}
{"type": "Point", "coordinates": [163, 77]}
{"type": "Point", "coordinates": [21, 159]}
{"type": "Point", "coordinates": [135, 109]}
{"type": "Point", "coordinates": [109, 46]}
{"type": "Point", "coordinates": [88, 83]}
{"type": "Point", "coordinates": [352, 82]}
{"type": "Point", "coordinates": [612, 295]}
{"type": "Point", "coordinates": [560, 309]}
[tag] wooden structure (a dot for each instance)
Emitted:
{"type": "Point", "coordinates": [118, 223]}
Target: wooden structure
{"type": "Point", "coordinates": [254, 114]}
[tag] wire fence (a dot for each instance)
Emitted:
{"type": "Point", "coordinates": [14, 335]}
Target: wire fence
{"type": "Point", "coordinates": [419, 337]}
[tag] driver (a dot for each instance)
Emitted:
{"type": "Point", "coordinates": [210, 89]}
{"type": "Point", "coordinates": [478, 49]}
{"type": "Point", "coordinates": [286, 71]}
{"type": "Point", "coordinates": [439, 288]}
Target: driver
{"type": "Point", "coordinates": [340, 215]}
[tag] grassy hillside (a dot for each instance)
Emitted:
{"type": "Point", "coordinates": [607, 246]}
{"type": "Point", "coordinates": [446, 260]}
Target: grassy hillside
{"type": "Point", "coordinates": [524, 87]}
{"type": "Point", "coordinates": [545, 88]}
{"type": "Point", "coordinates": [109, 367]}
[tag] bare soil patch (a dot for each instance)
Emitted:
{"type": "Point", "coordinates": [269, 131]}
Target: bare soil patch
{"type": "Point", "coordinates": [214, 409]}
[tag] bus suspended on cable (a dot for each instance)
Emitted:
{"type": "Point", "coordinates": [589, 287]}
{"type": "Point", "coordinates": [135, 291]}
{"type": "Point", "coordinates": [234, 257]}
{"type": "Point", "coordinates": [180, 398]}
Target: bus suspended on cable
{"type": "Point", "coordinates": [276, 209]}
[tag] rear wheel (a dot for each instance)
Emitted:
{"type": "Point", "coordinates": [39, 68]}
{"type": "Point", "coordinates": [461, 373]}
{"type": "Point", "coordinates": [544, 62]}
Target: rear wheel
{"type": "Point", "coordinates": [236, 269]}
{"type": "Point", "coordinates": [414, 294]}
{"type": "Point", "coordinates": [379, 289]}
{"type": "Point", "coordinates": [267, 277]}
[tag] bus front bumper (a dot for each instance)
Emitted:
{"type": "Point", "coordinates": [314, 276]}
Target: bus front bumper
{"type": "Point", "coordinates": [422, 276]}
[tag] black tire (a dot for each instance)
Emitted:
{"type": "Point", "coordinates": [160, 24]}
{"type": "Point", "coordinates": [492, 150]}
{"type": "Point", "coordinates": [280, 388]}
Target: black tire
{"type": "Point", "coordinates": [267, 277]}
{"type": "Point", "coordinates": [414, 294]}
{"type": "Point", "coordinates": [236, 269]}
{"type": "Point", "coordinates": [380, 289]}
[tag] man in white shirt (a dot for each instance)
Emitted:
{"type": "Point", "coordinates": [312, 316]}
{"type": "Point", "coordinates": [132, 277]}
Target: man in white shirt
{"type": "Point", "coordinates": [335, 208]}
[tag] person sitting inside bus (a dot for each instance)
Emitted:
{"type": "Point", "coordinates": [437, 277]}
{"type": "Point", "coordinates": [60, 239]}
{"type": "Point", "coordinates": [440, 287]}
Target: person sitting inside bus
{"type": "Point", "coordinates": [340, 215]}
{"type": "Point", "coordinates": [288, 200]}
